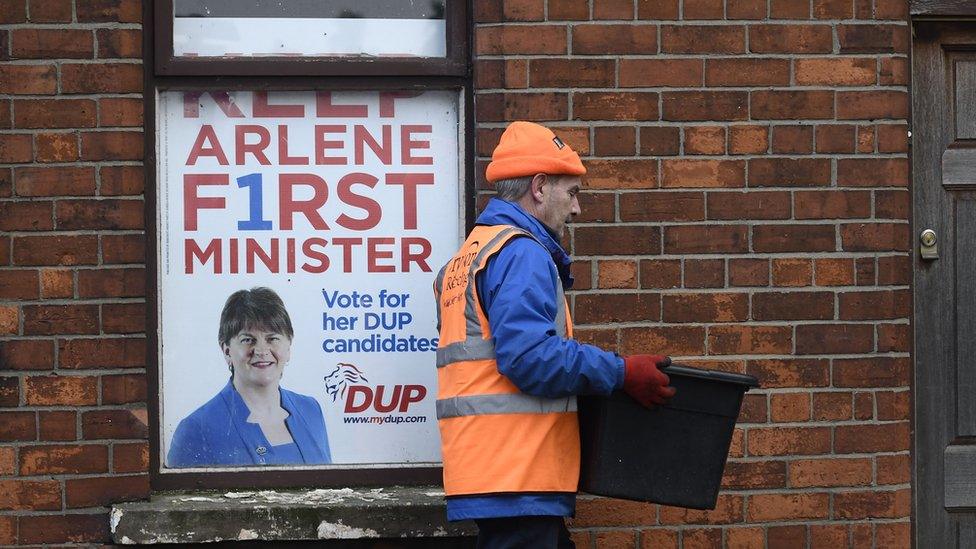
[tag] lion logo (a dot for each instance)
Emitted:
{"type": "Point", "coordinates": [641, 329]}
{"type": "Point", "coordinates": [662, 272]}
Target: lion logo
{"type": "Point", "coordinates": [341, 378]}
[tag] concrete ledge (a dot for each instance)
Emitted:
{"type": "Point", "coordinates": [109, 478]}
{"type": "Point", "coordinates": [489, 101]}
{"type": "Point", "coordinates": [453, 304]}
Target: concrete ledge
{"type": "Point", "coordinates": [278, 515]}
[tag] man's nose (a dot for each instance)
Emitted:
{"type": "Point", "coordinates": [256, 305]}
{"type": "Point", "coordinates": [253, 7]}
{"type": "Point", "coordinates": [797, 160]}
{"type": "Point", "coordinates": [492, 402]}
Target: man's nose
{"type": "Point", "coordinates": [576, 207]}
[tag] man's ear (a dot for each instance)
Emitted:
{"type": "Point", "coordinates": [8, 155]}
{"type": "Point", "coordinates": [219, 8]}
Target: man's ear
{"type": "Point", "coordinates": [537, 186]}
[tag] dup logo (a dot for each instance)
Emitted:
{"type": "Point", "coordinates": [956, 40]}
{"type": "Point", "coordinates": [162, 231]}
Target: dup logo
{"type": "Point", "coordinates": [348, 384]}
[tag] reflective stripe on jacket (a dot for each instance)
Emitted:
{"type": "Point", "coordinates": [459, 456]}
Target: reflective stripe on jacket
{"type": "Point", "coordinates": [495, 439]}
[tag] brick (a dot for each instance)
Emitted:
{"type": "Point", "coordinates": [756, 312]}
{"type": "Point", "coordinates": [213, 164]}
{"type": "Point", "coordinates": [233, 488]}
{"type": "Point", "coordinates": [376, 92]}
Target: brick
{"type": "Point", "coordinates": [754, 475]}
{"type": "Point", "coordinates": [881, 237]}
{"type": "Point", "coordinates": [600, 338]}
{"type": "Point", "coordinates": [705, 140]}
{"type": "Point", "coordinates": [571, 73]}
{"type": "Point", "coordinates": [101, 78]}
{"type": "Point", "coordinates": [498, 73]}
{"type": "Point", "coordinates": [660, 140]}
{"type": "Point", "coordinates": [834, 272]}
{"type": "Point", "coordinates": [99, 214]}
{"type": "Point", "coordinates": [886, 304]}
{"type": "Point", "coordinates": [110, 11]}
{"type": "Point", "coordinates": [793, 306]}
{"type": "Point", "coordinates": [8, 467]}
{"type": "Point", "coordinates": [703, 39]}
{"type": "Point", "coordinates": [615, 106]}
{"type": "Point", "coordinates": [25, 216]}
{"type": "Point", "coordinates": [748, 139]}
{"type": "Point", "coordinates": [894, 338]}
{"type": "Point", "coordinates": [13, 11]}
{"type": "Point", "coordinates": [873, 504]}
{"type": "Point", "coordinates": [583, 275]}
{"type": "Point", "coordinates": [792, 104]}
{"type": "Point", "coordinates": [747, 72]}
{"type": "Point", "coordinates": [814, 339]}
{"type": "Point", "coordinates": [892, 138]}
{"type": "Point", "coordinates": [598, 309]}
{"type": "Point", "coordinates": [835, 138]}
{"type": "Point", "coordinates": [745, 9]}
{"type": "Point", "coordinates": [831, 472]}
{"type": "Point", "coordinates": [57, 283]}
{"type": "Point", "coordinates": [50, 11]}
{"type": "Point", "coordinates": [660, 274]}
{"type": "Point", "coordinates": [121, 180]}
{"type": "Point", "coordinates": [18, 284]}
{"type": "Point", "coordinates": [56, 147]}
{"type": "Point", "coordinates": [786, 537]}
{"type": "Point", "coordinates": [58, 425]}
{"type": "Point", "coordinates": [54, 113]}
{"type": "Point", "coordinates": [802, 39]}
{"type": "Point", "coordinates": [9, 320]}
{"type": "Point", "coordinates": [63, 459]}
{"type": "Point", "coordinates": [123, 318]}
{"type": "Point", "coordinates": [111, 145]}
{"type": "Point", "coordinates": [657, 538]}
{"type": "Point", "coordinates": [124, 389]}
{"type": "Point", "coordinates": [833, 9]}
{"type": "Point", "coordinates": [706, 239]}
{"type": "Point", "coordinates": [26, 354]}
{"type": "Point", "coordinates": [614, 141]}
{"type": "Point", "coordinates": [893, 406]}
{"type": "Point", "coordinates": [130, 458]}
{"type": "Point", "coordinates": [746, 340]}
{"type": "Point", "coordinates": [488, 12]}
{"type": "Point", "coordinates": [873, 38]}
{"type": "Point", "coordinates": [710, 307]}
{"type": "Point", "coordinates": [792, 272]}
{"type": "Point", "coordinates": [60, 319]}
{"type": "Point", "coordinates": [832, 204]}
{"type": "Point", "coordinates": [789, 9]}
{"type": "Point", "coordinates": [59, 43]}
{"type": "Point", "coordinates": [728, 510]}
{"type": "Point", "coordinates": [17, 426]}
{"type": "Point", "coordinates": [119, 43]}
{"type": "Point", "coordinates": [613, 539]}
{"type": "Point", "coordinates": [616, 240]}
{"type": "Point", "coordinates": [614, 39]}
{"type": "Point", "coordinates": [5, 117]}
{"type": "Point", "coordinates": [59, 181]}
{"type": "Point", "coordinates": [597, 208]}
{"type": "Point", "coordinates": [704, 9]}
{"type": "Point", "coordinates": [829, 536]}
{"type": "Point", "coordinates": [521, 106]}
{"type": "Point", "coordinates": [572, 10]}
{"type": "Point", "coordinates": [69, 527]}
{"type": "Point", "coordinates": [894, 72]}
{"type": "Point", "coordinates": [748, 272]}
{"type": "Point", "coordinates": [779, 507]}
{"type": "Point", "coordinates": [617, 274]}
{"type": "Point", "coordinates": [660, 72]}
{"type": "Point", "coordinates": [523, 10]}
{"type": "Point", "coordinates": [789, 407]}
{"type": "Point", "coordinates": [621, 174]}
{"type": "Point", "coordinates": [663, 206]}
{"type": "Point", "coordinates": [4, 250]}
{"type": "Point", "coordinates": [9, 392]}
{"type": "Point", "coordinates": [789, 172]}
{"type": "Point", "coordinates": [863, 406]}
{"type": "Point", "coordinates": [873, 172]}
{"type": "Point", "coordinates": [894, 271]}
{"type": "Point", "coordinates": [748, 205]}
{"type": "Point", "coordinates": [120, 111]}
{"type": "Point", "coordinates": [28, 79]}
{"type": "Point", "coordinates": [871, 105]}
{"type": "Point", "coordinates": [522, 39]}
{"type": "Point", "coordinates": [754, 407]}
{"type": "Point", "coordinates": [872, 372]}
{"type": "Point", "coordinates": [658, 9]}
{"type": "Point", "coordinates": [16, 148]}
{"type": "Point", "coordinates": [837, 71]}
{"type": "Point", "coordinates": [832, 406]}
{"type": "Point", "coordinates": [128, 248]}
{"type": "Point", "coordinates": [745, 538]}
{"type": "Point", "coordinates": [704, 273]}
{"type": "Point", "coordinates": [32, 495]}
{"type": "Point", "coordinates": [99, 491]}
{"type": "Point", "coordinates": [793, 238]}
{"type": "Point", "coordinates": [111, 424]}
{"type": "Point", "coordinates": [792, 139]}
{"type": "Point", "coordinates": [894, 469]}
{"type": "Point", "coordinates": [60, 390]}
{"type": "Point", "coordinates": [894, 535]}
{"type": "Point", "coordinates": [605, 512]}
{"type": "Point", "coordinates": [111, 283]}
{"type": "Point", "coordinates": [685, 173]}
{"type": "Point", "coordinates": [671, 340]}
{"type": "Point", "coordinates": [613, 9]}
{"type": "Point", "coordinates": [705, 105]}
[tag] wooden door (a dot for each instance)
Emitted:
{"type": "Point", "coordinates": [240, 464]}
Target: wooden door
{"type": "Point", "coordinates": [944, 192]}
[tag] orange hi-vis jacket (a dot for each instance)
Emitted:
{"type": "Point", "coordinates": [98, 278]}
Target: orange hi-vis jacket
{"type": "Point", "coordinates": [495, 439]}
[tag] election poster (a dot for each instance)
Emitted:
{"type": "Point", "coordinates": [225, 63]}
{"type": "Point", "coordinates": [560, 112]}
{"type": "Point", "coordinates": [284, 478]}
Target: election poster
{"type": "Point", "coordinates": [298, 237]}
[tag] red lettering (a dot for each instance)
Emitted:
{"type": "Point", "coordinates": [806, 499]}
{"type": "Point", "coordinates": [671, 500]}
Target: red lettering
{"type": "Point", "coordinates": [193, 203]}
{"type": "Point", "coordinates": [288, 206]}
{"type": "Point", "coordinates": [324, 108]}
{"type": "Point", "coordinates": [234, 267]}
{"type": "Point", "coordinates": [321, 144]}
{"type": "Point", "coordinates": [253, 250]}
{"type": "Point", "coordinates": [311, 253]}
{"type": "Point", "coordinates": [192, 250]}
{"type": "Point", "coordinates": [257, 149]}
{"type": "Point", "coordinates": [346, 244]}
{"type": "Point", "coordinates": [283, 157]}
{"type": "Point", "coordinates": [191, 104]}
{"type": "Point", "coordinates": [407, 145]}
{"type": "Point", "coordinates": [410, 181]}
{"type": "Point", "coordinates": [373, 253]}
{"type": "Point", "coordinates": [378, 399]}
{"type": "Point", "coordinates": [420, 258]}
{"type": "Point", "coordinates": [207, 135]}
{"type": "Point", "coordinates": [263, 109]}
{"type": "Point", "coordinates": [372, 208]}
{"type": "Point", "coordinates": [362, 136]}
{"type": "Point", "coordinates": [411, 394]}
{"type": "Point", "coordinates": [354, 391]}
{"type": "Point", "coordinates": [387, 101]}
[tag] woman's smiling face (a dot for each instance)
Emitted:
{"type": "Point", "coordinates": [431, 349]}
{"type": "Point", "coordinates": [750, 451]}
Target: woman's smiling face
{"type": "Point", "coordinates": [257, 356]}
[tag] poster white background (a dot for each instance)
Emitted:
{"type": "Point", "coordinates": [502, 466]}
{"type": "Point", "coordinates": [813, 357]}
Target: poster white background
{"type": "Point", "coordinates": [192, 369]}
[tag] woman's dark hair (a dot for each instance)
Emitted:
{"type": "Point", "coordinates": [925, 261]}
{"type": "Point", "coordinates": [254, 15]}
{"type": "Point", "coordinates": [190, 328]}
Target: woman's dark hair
{"type": "Point", "coordinates": [255, 308]}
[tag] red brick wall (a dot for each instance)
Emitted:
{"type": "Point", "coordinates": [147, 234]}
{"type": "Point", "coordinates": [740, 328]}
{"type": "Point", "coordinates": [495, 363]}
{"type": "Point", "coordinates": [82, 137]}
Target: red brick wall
{"type": "Point", "coordinates": [72, 313]}
{"type": "Point", "coordinates": [747, 210]}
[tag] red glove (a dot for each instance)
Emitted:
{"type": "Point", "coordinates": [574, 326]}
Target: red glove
{"type": "Point", "coordinates": [644, 380]}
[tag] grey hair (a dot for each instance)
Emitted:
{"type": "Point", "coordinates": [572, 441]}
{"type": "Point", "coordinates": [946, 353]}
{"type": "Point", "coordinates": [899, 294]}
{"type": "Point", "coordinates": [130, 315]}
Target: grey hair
{"type": "Point", "coordinates": [513, 189]}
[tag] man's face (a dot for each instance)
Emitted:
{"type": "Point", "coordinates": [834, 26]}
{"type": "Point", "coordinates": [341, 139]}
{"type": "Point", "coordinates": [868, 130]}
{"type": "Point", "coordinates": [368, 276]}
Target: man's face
{"type": "Point", "coordinates": [560, 202]}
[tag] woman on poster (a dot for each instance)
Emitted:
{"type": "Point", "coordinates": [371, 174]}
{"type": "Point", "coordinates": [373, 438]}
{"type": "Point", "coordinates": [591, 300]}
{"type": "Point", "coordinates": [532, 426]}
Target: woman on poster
{"type": "Point", "coordinates": [253, 420]}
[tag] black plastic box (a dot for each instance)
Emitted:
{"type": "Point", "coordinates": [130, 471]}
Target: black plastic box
{"type": "Point", "coordinates": [672, 454]}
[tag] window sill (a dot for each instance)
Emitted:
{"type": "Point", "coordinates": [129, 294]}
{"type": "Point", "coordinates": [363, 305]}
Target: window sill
{"type": "Point", "coordinates": [277, 515]}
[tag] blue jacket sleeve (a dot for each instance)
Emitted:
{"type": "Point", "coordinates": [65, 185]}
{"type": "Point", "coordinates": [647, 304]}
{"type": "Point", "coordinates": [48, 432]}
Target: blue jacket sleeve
{"type": "Point", "coordinates": [187, 449]}
{"type": "Point", "coordinates": [517, 292]}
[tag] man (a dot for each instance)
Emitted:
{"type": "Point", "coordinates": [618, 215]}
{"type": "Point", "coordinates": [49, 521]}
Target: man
{"type": "Point", "coordinates": [508, 368]}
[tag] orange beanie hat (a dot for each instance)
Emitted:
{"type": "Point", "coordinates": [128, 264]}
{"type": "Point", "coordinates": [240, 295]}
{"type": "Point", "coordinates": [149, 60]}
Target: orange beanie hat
{"type": "Point", "coordinates": [527, 149]}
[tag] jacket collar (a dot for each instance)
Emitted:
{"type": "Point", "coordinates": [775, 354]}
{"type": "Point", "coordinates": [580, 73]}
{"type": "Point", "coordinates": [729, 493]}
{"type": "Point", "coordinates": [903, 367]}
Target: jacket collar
{"type": "Point", "coordinates": [502, 212]}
